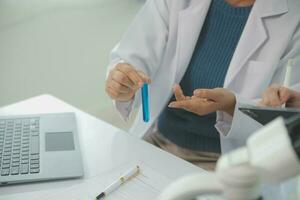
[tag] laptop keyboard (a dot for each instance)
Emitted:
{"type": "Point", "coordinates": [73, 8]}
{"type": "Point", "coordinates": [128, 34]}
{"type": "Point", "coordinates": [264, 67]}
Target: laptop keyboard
{"type": "Point", "coordinates": [19, 146]}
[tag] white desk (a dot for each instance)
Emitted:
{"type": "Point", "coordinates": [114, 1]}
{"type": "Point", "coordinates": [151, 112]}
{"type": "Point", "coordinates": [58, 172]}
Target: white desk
{"type": "Point", "coordinates": [103, 148]}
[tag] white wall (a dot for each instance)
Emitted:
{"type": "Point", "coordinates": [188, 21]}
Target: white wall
{"type": "Point", "coordinates": [61, 47]}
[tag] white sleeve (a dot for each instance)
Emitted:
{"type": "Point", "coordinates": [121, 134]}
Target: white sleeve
{"type": "Point", "coordinates": [124, 108]}
{"type": "Point", "coordinates": [142, 46]}
{"type": "Point", "coordinates": [226, 124]}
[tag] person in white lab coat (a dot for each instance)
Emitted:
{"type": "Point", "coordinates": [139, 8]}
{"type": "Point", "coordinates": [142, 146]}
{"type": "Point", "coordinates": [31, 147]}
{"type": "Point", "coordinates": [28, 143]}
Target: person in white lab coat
{"type": "Point", "coordinates": [177, 46]}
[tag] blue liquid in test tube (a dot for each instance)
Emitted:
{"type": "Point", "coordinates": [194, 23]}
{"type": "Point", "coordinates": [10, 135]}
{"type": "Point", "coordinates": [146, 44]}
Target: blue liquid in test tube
{"type": "Point", "coordinates": [145, 103]}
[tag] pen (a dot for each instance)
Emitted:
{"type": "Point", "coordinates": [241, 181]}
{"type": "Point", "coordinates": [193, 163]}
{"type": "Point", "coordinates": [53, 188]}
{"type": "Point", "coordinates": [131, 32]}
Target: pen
{"type": "Point", "coordinates": [288, 74]}
{"type": "Point", "coordinates": [123, 179]}
{"type": "Point", "coordinates": [145, 103]}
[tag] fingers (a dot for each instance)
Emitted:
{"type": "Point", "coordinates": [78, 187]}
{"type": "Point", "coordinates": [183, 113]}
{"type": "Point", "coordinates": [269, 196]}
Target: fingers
{"type": "Point", "coordinates": [184, 104]}
{"type": "Point", "coordinates": [137, 78]}
{"type": "Point", "coordinates": [211, 94]}
{"type": "Point", "coordinates": [124, 81]}
{"type": "Point", "coordinates": [120, 91]}
{"type": "Point", "coordinates": [178, 93]}
{"type": "Point", "coordinates": [121, 78]}
{"type": "Point", "coordinates": [203, 99]}
{"type": "Point", "coordinates": [119, 87]}
{"type": "Point", "coordinates": [196, 105]}
{"type": "Point", "coordinates": [144, 77]}
{"type": "Point", "coordinates": [271, 97]}
{"type": "Point", "coordinates": [201, 105]}
{"type": "Point", "coordinates": [290, 97]}
{"type": "Point", "coordinates": [222, 99]}
{"type": "Point", "coordinates": [284, 94]}
{"type": "Point", "coordinates": [131, 74]}
{"type": "Point", "coordinates": [112, 93]}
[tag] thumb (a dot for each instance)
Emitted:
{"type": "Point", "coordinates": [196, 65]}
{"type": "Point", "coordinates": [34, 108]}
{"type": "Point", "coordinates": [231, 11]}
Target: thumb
{"type": "Point", "coordinates": [211, 94]}
{"type": "Point", "coordinates": [178, 93]}
{"type": "Point", "coordinates": [144, 77]}
{"type": "Point", "coordinates": [284, 94]}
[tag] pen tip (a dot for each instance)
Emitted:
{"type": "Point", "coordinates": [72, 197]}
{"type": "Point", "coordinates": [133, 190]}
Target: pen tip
{"type": "Point", "coordinates": [100, 196]}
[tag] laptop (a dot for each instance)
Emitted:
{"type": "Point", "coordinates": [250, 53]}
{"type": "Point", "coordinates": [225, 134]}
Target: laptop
{"type": "Point", "coordinates": [39, 148]}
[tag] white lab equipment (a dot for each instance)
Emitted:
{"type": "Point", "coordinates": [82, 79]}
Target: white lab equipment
{"type": "Point", "coordinates": [271, 155]}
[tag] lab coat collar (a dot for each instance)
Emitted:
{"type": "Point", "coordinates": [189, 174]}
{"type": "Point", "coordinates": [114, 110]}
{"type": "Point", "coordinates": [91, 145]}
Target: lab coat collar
{"type": "Point", "coordinates": [254, 35]}
{"type": "Point", "coordinates": [190, 24]}
{"type": "Point", "coordinates": [268, 8]}
{"type": "Point", "coordinates": [191, 21]}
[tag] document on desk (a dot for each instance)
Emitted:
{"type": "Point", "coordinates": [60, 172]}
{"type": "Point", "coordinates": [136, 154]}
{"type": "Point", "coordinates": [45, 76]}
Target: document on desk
{"type": "Point", "coordinates": [147, 185]}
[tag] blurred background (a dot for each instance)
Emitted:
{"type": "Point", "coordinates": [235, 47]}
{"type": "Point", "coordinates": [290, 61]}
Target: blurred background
{"type": "Point", "coordinates": [61, 47]}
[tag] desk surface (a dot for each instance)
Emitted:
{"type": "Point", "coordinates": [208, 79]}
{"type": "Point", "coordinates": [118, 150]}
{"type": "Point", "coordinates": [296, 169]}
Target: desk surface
{"type": "Point", "coordinates": [103, 148]}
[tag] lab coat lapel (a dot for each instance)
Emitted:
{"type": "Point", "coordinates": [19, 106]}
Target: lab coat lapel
{"type": "Point", "coordinates": [190, 24]}
{"type": "Point", "coordinates": [254, 34]}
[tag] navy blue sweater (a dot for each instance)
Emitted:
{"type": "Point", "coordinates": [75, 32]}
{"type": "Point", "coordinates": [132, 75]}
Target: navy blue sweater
{"type": "Point", "coordinates": [215, 47]}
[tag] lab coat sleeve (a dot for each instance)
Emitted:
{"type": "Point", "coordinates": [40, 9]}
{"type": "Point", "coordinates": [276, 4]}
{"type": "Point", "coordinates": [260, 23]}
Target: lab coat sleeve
{"type": "Point", "coordinates": [142, 46]}
{"type": "Point", "coordinates": [226, 124]}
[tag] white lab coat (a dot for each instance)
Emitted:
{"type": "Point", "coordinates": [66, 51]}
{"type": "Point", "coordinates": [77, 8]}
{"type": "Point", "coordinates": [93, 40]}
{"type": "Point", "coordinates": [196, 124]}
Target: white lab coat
{"type": "Point", "coordinates": [161, 41]}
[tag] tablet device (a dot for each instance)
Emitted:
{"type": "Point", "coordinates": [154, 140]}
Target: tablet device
{"type": "Point", "coordinates": [264, 115]}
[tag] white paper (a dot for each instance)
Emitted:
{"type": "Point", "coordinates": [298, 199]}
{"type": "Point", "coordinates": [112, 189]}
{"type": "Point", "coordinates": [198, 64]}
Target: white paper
{"type": "Point", "coordinates": [147, 186]}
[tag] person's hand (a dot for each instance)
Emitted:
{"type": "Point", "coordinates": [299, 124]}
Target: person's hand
{"type": "Point", "coordinates": [277, 95]}
{"type": "Point", "coordinates": [123, 82]}
{"type": "Point", "coordinates": [204, 101]}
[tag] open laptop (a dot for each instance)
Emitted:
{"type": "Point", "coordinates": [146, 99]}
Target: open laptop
{"type": "Point", "coordinates": [39, 147]}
